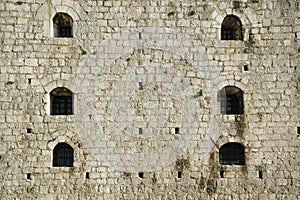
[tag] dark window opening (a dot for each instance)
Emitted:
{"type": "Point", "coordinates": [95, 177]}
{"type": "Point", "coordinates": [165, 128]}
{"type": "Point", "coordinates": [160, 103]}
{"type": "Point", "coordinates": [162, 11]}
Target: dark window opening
{"type": "Point", "coordinates": [177, 130]}
{"type": "Point", "coordinates": [246, 68]}
{"type": "Point", "coordinates": [222, 174]}
{"type": "Point", "coordinates": [298, 130]}
{"type": "Point", "coordinates": [61, 102]}
{"type": "Point", "coordinates": [29, 81]}
{"type": "Point", "coordinates": [141, 174]}
{"type": "Point", "coordinates": [141, 86]}
{"type": "Point", "coordinates": [62, 25]}
{"type": "Point", "coordinates": [232, 154]}
{"type": "Point", "coordinates": [29, 130]}
{"type": "Point", "coordinates": [87, 175]}
{"type": "Point", "coordinates": [236, 4]}
{"type": "Point", "coordinates": [179, 174]}
{"type": "Point", "coordinates": [140, 130]}
{"type": "Point", "coordinates": [28, 176]}
{"type": "Point", "coordinates": [63, 155]}
{"type": "Point", "coordinates": [260, 174]}
{"type": "Point", "coordinates": [231, 100]}
{"type": "Point", "coordinates": [231, 28]}
{"type": "Point", "coordinates": [231, 104]}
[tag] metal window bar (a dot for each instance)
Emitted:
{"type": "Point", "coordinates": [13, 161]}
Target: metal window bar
{"type": "Point", "coordinates": [63, 155]}
{"type": "Point", "coordinates": [232, 154]}
{"type": "Point", "coordinates": [228, 34]}
{"type": "Point", "coordinates": [232, 104]}
{"type": "Point", "coordinates": [62, 105]}
{"type": "Point", "coordinates": [65, 31]}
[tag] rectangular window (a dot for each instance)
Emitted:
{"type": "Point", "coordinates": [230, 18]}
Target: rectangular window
{"type": "Point", "coordinates": [62, 105]}
{"type": "Point", "coordinates": [141, 174]}
{"type": "Point", "coordinates": [140, 130]}
{"type": "Point", "coordinates": [177, 130]}
{"type": "Point", "coordinates": [179, 174]}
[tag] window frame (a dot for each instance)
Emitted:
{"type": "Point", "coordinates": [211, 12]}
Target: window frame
{"type": "Point", "coordinates": [231, 100]}
{"type": "Point", "coordinates": [61, 101]}
{"type": "Point", "coordinates": [232, 153]}
{"type": "Point", "coordinates": [60, 24]}
{"type": "Point", "coordinates": [63, 155]}
{"type": "Point", "coordinates": [232, 32]}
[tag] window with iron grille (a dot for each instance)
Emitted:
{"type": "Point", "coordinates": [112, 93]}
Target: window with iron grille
{"type": "Point", "coordinates": [231, 28]}
{"type": "Point", "coordinates": [62, 25]}
{"type": "Point", "coordinates": [61, 102]}
{"type": "Point", "coordinates": [232, 154]}
{"type": "Point", "coordinates": [63, 155]}
{"type": "Point", "coordinates": [227, 34]}
{"type": "Point", "coordinates": [232, 106]}
{"type": "Point", "coordinates": [62, 105]}
{"type": "Point", "coordinates": [65, 31]}
{"type": "Point", "coordinates": [231, 100]}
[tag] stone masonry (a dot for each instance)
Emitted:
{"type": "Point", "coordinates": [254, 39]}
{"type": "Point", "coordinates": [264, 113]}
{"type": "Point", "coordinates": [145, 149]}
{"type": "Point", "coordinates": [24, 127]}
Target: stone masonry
{"type": "Point", "coordinates": [147, 78]}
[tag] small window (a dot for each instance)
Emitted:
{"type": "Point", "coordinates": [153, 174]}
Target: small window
{"type": "Point", "coordinates": [260, 174]}
{"type": "Point", "coordinates": [232, 154]}
{"type": "Point", "coordinates": [62, 25]}
{"type": "Point", "coordinates": [231, 28]}
{"type": "Point", "coordinates": [61, 101]}
{"type": "Point", "coordinates": [141, 174]}
{"type": "Point", "coordinates": [179, 174]}
{"type": "Point", "coordinates": [141, 87]}
{"type": "Point", "coordinates": [140, 131]}
{"type": "Point", "coordinates": [63, 155]}
{"type": "Point", "coordinates": [28, 176]}
{"type": "Point", "coordinates": [231, 100]}
{"type": "Point", "coordinates": [87, 175]}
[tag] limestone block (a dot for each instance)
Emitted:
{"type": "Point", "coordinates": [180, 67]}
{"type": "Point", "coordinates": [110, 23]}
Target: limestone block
{"type": "Point", "coordinates": [31, 62]}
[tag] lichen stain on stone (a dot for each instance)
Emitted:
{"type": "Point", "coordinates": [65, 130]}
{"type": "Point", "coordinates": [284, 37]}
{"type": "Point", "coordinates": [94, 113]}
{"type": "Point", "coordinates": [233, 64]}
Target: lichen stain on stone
{"type": "Point", "coordinates": [211, 186]}
{"type": "Point", "coordinates": [201, 184]}
{"type": "Point", "coordinates": [182, 163]}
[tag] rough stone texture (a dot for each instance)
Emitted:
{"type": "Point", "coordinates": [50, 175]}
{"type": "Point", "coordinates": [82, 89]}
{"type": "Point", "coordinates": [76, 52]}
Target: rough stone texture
{"type": "Point", "coordinates": [116, 46]}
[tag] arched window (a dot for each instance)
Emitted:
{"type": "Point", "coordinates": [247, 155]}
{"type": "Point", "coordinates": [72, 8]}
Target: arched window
{"type": "Point", "coordinates": [231, 28]}
{"type": "Point", "coordinates": [231, 100]}
{"type": "Point", "coordinates": [63, 155]}
{"type": "Point", "coordinates": [232, 153]}
{"type": "Point", "coordinates": [62, 25]}
{"type": "Point", "coordinates": [61, 100]}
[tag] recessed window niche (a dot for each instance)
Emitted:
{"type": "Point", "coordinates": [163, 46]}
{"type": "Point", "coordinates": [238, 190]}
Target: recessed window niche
{"type": "Point", "coordinates": [140, 131]}
{"type": "Point", "coordinates": [179, 174]}
{"type": "Point", "coordinates": [141, 174]}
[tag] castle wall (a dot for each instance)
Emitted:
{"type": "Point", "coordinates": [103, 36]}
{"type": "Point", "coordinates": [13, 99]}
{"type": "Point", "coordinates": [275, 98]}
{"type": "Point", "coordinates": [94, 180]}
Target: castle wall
{"type": "Point", "coordinates": [147, 80]}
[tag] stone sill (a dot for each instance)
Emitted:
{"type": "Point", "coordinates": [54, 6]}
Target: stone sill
{"type": "Point", "coordinates": [231, 43]}
{"type": "Point", "coordinates": [61, 41]}
{"type": "Point", "coordinates": [59, 118]}
{"type": "Point", "coordinates": [233, 118]}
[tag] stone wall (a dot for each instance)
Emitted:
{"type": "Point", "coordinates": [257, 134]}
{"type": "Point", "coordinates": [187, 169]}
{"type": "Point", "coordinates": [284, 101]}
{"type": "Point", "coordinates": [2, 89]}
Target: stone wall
{"type": "Point", "coordinates": [146, 78]}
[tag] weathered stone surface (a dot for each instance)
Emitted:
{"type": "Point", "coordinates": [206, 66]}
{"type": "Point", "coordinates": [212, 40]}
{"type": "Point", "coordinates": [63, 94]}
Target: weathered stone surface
{"type": "Point", "coordinates": [146, 78]}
